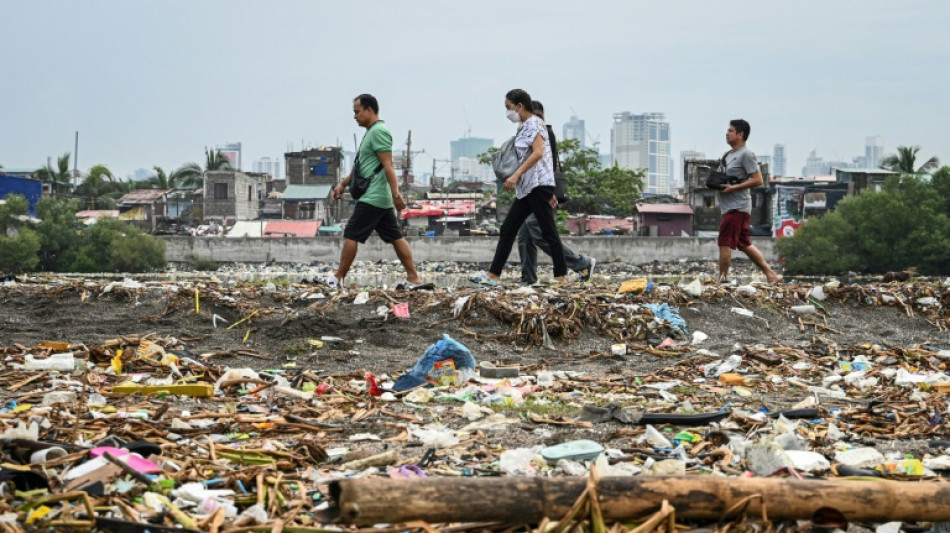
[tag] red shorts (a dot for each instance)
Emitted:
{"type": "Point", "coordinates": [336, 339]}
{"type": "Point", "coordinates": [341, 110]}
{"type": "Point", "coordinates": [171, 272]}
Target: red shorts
{"type": "Point", "coordinates": [734, 230]}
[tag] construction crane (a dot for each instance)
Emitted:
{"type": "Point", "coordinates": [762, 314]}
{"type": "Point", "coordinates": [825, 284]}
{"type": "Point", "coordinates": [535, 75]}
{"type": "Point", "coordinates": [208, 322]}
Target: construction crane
{"type": "Point", "coordinates": [594, 141]}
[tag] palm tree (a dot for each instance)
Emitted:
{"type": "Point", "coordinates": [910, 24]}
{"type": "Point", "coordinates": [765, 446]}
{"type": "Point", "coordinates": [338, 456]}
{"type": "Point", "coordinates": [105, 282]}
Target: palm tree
{"type": "Point", "coordinates": [97, 184]}
{"type": "Point", "coordinates": [215, 160]}
{"type": "Point", "coordinates": [906, 159]}
{"type": "Point", "coordinates": [187, 176]}
{"type": "Point", "coordinates": [59, 177]}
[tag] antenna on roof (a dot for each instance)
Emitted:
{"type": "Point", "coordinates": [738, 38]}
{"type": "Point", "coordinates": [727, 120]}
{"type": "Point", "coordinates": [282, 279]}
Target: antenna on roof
{"type": "Point", "coordinates": [468, 132]}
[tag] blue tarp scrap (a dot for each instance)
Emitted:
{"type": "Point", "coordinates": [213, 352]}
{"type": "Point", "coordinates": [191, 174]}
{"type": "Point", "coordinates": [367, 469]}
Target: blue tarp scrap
{"type": "Point", "coordinates": [670, 315]}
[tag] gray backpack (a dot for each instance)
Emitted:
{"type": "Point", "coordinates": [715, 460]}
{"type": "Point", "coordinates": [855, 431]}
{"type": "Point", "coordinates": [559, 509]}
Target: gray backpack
{"type": "Point", "coordinates": [505, 161]}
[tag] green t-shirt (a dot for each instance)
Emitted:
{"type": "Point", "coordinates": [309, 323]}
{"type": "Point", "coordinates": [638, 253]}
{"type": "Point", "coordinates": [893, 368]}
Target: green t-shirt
{"type": "Point", "coordinates": [377, 140]}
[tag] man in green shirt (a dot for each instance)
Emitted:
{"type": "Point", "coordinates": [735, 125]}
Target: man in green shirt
{"type": "Point", "coordinates": [374, 210]}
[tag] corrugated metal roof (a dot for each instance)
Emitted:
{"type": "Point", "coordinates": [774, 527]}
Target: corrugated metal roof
{"type": "Point", "coordinates": [89, 213]}
{"type": "Point", "coordinates": [866, 170]}
{"type": "Point", "coordinates": [246, 228]}
{"type": "Point", "coordinates": [292, 228]}
{"type": "Point", "coordinates": [143, 196]}
{"type": "Point", "coordinates": [678, 209]}
{"type": "Point", "coordinates": [307, 192]}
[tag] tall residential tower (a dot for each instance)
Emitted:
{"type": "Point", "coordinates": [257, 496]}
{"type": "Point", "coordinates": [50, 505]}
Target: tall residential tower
{"type": "Point", "coordinates": [643, 141]}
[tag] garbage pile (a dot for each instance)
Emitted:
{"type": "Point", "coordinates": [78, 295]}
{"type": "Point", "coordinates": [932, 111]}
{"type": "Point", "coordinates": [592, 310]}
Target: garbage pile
{"type": "Point", "coordinates": [144, 432]}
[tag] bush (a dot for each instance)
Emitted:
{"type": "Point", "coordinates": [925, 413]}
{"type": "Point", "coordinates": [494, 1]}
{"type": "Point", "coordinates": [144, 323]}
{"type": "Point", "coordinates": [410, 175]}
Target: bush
{"type": "Point", "coordinates": [110, 245]}
{"type": "Point", "coordinates": [903, 226]}
{"type": "Point", "coordinates": [202, 264]}
{"type": "Point", "coordinates": [19, 253]}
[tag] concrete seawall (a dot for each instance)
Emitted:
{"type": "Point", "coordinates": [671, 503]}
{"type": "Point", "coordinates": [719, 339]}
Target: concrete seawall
{"type": "Point", "coordinates": [635, 250]}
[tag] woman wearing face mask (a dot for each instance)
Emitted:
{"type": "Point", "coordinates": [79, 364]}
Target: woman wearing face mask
{"type": "Point", "coordinates": [533, 184]}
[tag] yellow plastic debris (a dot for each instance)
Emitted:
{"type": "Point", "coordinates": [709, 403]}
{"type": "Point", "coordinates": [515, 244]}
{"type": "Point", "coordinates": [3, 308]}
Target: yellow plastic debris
{"type": "Point", "coordinates": [117, 361]}
{"type": "Point", "coordinates": [38, 514]}
{"type": "Point", "coordinates": [635, 286]}
{"type": "Point", "coordinates": [315, 343]}
{"type": "Point", "coordinates": [195, 390]}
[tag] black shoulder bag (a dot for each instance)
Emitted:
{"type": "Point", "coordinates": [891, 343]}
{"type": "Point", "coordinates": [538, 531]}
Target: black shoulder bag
{"type": "Point", "coordinates": [560, 183]}
{"type": "Point", "coordinates": [718, 180]}
{"type": "Point", "coordinates": [359, 183]}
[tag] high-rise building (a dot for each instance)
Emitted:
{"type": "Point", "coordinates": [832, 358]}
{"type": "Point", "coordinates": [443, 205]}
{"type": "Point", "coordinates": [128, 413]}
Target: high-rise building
{"type": "Point", "coordinates": [574, 129]}
{"type": "Point", "coordinates": [778, 159]}
{"type": "Point", "coordinates": [231, 151]}
{"type": "Point", "coordinates": [643, 141]}
{"type": "Point", "coordinates": [469, 169]}
{"type": "Point", "coordinates": [469, 147]}
{"type": "Point", "coordinates": [464, 153]}
{"type": "Point", "coordinates": [873, 151]}
{"type": "Point", "coordinates": [268, 165]}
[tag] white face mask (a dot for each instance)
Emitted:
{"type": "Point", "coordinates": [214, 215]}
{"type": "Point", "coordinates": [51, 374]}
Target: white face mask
{"type": "Point", "coordinates": [513, 116]}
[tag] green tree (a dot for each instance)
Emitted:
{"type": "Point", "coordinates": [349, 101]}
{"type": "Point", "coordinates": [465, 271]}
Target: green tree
{"type": "Point", "coordinates": [59, 231]}
{"type": "Point", "coordinates": [617, 190]}
{"type": "Point", "coordinates": [59, 178]}
{"type": "Point", "coordinates": [16, 205]}
{"type": "Point", "coordinates": [905, 161]}
{"type": "Point", "coordinates": [187, 176]}
{"type": "Point", "coordinates": [580, 165]}
{"type": "Point", "coordinates": [111, 245]}
{"type": "Point", "coordinates": [215, 160]}
{"type": "Point", "coordinates": [941, 183]}
{"type": "Point", "coordinates": [19, 245]}
{"type": "Point", "coordinates": [905, 225]}
{"type": "Point", "coordinates": [99, 182]}
{"type": "Point", "coordinates": [19, 253]}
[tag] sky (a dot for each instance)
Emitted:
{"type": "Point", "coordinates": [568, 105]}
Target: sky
{"type": "Point", "coordinates": [149, 83]}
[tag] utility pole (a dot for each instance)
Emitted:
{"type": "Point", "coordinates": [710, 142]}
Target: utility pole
{"type": "Point", "coordinates": [405, 170]}
{"type": "Point", "coordinates": [76, 161]}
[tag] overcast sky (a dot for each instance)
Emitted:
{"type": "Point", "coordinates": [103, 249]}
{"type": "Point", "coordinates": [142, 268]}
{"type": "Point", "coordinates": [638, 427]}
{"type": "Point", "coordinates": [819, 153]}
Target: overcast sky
{"type": "Point", "coordinates": [153, 83]}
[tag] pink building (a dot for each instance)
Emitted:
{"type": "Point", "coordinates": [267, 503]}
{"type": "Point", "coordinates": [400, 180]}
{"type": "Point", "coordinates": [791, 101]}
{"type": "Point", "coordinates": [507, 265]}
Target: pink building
{"type": "Point", "coordinates": [665, 220]}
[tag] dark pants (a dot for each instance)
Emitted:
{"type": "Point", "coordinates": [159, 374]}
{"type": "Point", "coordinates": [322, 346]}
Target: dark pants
{"type": "Point", "coordinates": [536, 202]}
{"type": "Point", "coordinates": [530, 239]}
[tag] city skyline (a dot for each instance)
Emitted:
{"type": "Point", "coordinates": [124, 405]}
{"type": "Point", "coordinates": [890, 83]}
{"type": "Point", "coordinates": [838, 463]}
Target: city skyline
{"type": "Point", "coordinates": [140, 100]}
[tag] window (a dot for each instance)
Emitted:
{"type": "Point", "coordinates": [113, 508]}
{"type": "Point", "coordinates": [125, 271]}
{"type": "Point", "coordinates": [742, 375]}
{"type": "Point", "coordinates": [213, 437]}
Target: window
{"type": "Point", "coordinates": [220, 191]}
{"type": "Point", "coordinates": [709, 201]}
{"type": "Point", "coordinates": [249, 191]}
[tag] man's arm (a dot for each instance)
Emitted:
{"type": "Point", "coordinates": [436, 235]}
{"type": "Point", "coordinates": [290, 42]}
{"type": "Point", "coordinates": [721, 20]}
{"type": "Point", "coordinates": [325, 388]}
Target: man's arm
{"type": "Point", "coordinates": [386, 158]}
{"type": "Point", "coordinates": [340, 187]}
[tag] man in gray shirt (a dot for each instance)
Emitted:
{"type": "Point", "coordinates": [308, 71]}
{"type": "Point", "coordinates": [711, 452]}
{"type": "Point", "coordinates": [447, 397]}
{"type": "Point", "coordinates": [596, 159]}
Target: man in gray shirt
{"type": "Point", "coordinates": [735, 202]}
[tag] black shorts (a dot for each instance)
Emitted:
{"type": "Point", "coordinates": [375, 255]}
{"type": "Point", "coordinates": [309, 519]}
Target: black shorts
{"type": "Point", "coordinates": [367, 218]}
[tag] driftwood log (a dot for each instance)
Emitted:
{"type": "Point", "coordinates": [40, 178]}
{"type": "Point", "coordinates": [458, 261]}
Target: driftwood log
{"type": "Point", "coordinates": [529, 500]}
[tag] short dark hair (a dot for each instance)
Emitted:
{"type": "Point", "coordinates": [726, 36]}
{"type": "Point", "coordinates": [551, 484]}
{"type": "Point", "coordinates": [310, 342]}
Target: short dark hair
{"type": "Point", "coordinates": [742, 127]}
{"type": "Point", "coordinates": [520, 96]}
{"type": "Point", "coordinates": [368, 100]}
{"type": "Point", "coordinates": [538, 109]}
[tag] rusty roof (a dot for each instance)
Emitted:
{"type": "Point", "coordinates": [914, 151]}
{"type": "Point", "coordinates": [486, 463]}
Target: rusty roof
{"type": "Point", "coordinates": [143, 196]}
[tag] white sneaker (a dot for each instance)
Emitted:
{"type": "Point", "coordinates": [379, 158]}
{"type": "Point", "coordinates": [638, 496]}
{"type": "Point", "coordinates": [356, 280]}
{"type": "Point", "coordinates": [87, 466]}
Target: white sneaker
{"type": "Point", "coordinates": [588, 272]}
{"type": "Point", "coordinates": [331, 282]}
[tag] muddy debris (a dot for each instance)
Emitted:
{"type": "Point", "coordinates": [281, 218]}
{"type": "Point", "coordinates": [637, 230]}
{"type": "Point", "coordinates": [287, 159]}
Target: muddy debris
{"type": "Point", "coordinates": [215, 404]}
